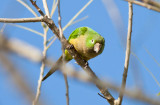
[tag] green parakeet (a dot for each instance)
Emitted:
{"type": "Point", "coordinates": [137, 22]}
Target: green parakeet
{"type": "Point", "coordinates": [86, 41]}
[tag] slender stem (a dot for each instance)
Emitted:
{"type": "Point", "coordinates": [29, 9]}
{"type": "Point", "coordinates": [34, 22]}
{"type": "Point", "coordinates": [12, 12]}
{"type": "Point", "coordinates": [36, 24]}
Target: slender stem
{"type": "Point", "coordinates": [63, 49]}
{"type": "Point", "coordinates": [59, 21]}
{"type": "Point", "coordinates": [53, 8]}
{"type": "Point", "coordinates": [49, 45]}
{"type": "Point", "coordinates": [28, 7]}
{"type": "Point", "coordinates": [149, 71]}
{"type": "Point", "coordinates": [46, 8]}
{"type": "Point", "coordinates": [41, 68]}
{"type": "Point", "coordinates": [144, 5]}
{"type": "Point", "coordinates": [70, 22]}
{"type": "Point", "coordinates": [67, 89]}
{"type": "Point", "coordinates": [128, 48]}
{"type": "Point", "coordinates": [21, 20]}
{"type": "Point", "coordinates": [38, 9]}
{"type": "Point", "coordinates": [26, 28]}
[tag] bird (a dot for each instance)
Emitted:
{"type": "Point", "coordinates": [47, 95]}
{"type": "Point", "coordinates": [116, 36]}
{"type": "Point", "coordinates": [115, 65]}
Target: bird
{"type": "Point", "coordinates": [87, 42]}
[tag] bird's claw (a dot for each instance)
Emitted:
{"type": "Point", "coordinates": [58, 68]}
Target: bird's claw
{"type": "Point", "coordinates": [70, 46]}
{"type": "Point", "coordinates": [86, 63]}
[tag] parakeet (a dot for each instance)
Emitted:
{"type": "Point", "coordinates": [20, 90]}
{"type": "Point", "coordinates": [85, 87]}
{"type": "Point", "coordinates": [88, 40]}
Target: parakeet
{"type": "Point", "coordinates": [86, 41]}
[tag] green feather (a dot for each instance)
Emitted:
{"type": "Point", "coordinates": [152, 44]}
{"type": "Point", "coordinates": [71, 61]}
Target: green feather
{"type": "Point", "coordinates": [77, 32]}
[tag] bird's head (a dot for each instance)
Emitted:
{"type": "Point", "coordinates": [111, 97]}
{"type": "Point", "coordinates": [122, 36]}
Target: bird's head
{"type": "Point", "coordinates": [95, 43]}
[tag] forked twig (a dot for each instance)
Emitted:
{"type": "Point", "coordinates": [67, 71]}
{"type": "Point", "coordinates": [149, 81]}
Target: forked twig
{"type": "Point", "coordinates": [128, 48]}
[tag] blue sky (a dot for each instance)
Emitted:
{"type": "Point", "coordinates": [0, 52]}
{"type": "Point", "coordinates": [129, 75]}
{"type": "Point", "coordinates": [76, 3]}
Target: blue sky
{"type": "Point", "coordinates": [108, 65]}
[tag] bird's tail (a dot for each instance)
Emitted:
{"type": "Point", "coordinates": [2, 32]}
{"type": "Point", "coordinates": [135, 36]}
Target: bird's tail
{"type": "Point", "coordinates": [54, 68]}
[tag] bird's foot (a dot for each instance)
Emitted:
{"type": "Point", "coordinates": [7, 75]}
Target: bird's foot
{"type": "Point", "coordinates": [86, 63]}
{"type": "Point", "coordinates": [70, 46]}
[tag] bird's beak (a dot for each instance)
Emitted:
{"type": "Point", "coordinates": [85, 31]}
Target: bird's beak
{"type": "Point", "coordinates": [97, 47]}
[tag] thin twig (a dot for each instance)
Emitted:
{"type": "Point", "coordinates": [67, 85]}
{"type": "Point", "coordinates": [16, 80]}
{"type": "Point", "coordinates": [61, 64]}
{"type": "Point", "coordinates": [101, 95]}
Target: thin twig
{"type": "Point", "coordinates": [41, 68]}
{"type": "Point", "coordinates": [128, 48]}
{"type": "Point", "coordinates": [144, 5]}
{"type": "Point", "coordinates": [53, 7]}
{"type": "Point", "coordinates": [46, 8]}
{"type": "Point", "coordinates": [49, 45]}
{"type": "Point", "coordinates": [63, 49]}
{"type": "Point", "coordinates": [70, 22]}
{"type": "Point", "coordinates": [28, 7]}
{"type": "Point", "coordinates": [152, 56]}
{"type": "Point", "coordinates": [38, 9]}
{"type": "Point", "coordinates": [3, 27]}
{"type": "Point", "coordinates": [61, 32]}
{"type": "Point", "coordinates": [21, 20]}
{"type": "Point", "coordinates": [67, 88]}
{"type": "Point", "coordinates": [149, 71]}
{"type": "Point", "coordinates": [81, 19]}
{"type": "Point", "coordinates": [26, 28]}
{"type": "Point", "coordinates": [59, 22]}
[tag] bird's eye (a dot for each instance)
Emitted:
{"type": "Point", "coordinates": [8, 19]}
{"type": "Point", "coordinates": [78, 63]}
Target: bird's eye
{"type": "Point", "coordinates": [92, 41]}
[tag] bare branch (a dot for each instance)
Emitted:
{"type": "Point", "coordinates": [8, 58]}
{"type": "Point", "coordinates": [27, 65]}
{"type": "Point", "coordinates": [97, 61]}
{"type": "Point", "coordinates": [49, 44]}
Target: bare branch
{"type": "Point", "coordinates": [143, 4]}
{"type": "Point", "coordinates": [152, 56]}
{"type": "Point", "coordinates": [42, 67]}
{"type": "Point", "coordinates": [21, 20]}
{"type": "Point", "coordinates": [28, 7]}
{"type": "Point", "coordinates": [38, 9]}
{"type": "Point", "coordinates": [46, 7]}
{"type": "Point", "coordinates": [70, 22]}
{"type": "Point", "coordinates": [26, 28]}
{"type": "Point", "coordinates": [67, 88]}
{"type": "Point", "coordinates": [53, 7]}
{"type": "Point", "coordinates": [149, 71]}
{"type": "Point", "coordinates": [63, 49]}
{"type": "Point", "coordinates": [59, 22]}
{"type": "Point", "coordinates": [49, 45]}
{"type": "Point", "coordinates": [128, 48]}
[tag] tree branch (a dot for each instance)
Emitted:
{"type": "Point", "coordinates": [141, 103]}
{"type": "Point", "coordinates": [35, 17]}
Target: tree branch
{"type": "Point", "coordinates": [21, 20]}
{"type": "Point", "coordinates": [128, 48]}
{"type": "Point", "coordinates": [63, 50]}
{"type": "Point", "coordinates": [42, 67]}
{"type": "Point", "coordinates": [46, 8]}
{"type": "Point", "coordinates": [67, 88]}
{"type": "Point", "coordinates": [144, 4]}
